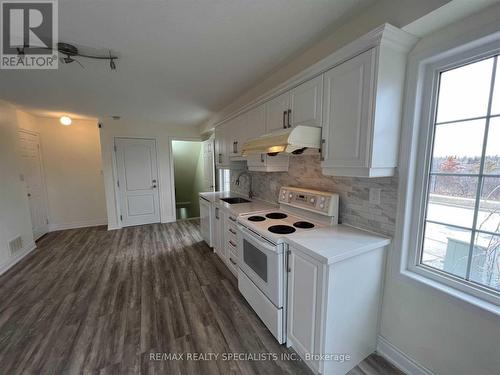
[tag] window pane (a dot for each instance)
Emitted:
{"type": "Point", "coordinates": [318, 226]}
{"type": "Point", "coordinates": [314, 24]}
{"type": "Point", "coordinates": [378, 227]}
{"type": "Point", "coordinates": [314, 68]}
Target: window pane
{"type": "Point", "coordinates": [488, 218]}
{"type": "Point", "coordinates": [446, 248]}
{"type": "Point", "coordinates": [485, 265]}
{"type": "Point", "coordinates": [458, 147]}
{"type": "Point", "coordinates": [495, 106]}
{"type": "Point", "coordinates": [452, 199]}
{"type": "Point", "coordinates": [492, 162]}
{"type": "Point", "coordinates": [464, 91]}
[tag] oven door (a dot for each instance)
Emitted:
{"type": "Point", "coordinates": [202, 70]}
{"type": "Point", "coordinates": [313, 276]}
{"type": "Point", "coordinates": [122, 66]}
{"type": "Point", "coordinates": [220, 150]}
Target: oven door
{"type": "Point", "coordinates": [262, 262]}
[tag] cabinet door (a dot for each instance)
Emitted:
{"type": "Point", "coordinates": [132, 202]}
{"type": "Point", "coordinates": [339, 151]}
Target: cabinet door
{"type": "Point", "coordinates": [306, 103]}
{"type": "Point", "coordinates": [217, 145]}
{"type": "Point", "coordinates": [216, 230]}
{"type": "Point", "coordinates": [205, 218]}
{"type": "Point", "coordinates": [304, 303]}
{"type": "Point", "coordinates": [256, 160]}
{"type": "Point", "coordinates": [348, 112]}
{"type": "Point", "coordinates": [228, 138]}
{"type": "Point", "coordinates": [276, 112]}
{"type": "Point", "coordinates": [255, 123]}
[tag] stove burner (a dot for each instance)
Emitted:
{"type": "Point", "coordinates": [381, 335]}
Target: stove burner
{"type": "Point", "coordinates": [276, 215]}
{"type": "Point", "coordinates": [303, 225]}
{"type": "Point", "coordinates": [281, 229]}
{"type": "Point", "coordinates": [256, 218]}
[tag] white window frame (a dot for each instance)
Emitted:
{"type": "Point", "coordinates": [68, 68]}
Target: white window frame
{"type": "Point", "coordinates": [416, 147]}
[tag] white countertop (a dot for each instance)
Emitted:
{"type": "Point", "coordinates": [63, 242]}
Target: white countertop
{"type": "Point", "coordinates": [212, 196]}
{"type": "Point", "coordinates": [255, 205]}
{"type": "Point", "coordinates": [327, 245]}
{"type": "Point", "coordinates": [337, 243]}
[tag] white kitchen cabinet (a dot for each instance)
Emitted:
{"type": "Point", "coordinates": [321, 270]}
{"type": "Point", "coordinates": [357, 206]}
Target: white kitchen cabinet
{"type": "Point", "coordinates": [300, 106]}
{"type": "Point", "coordinates": [362, 114]}
{"type": "Point", "coordinates": [266, 163]}
{"type": "Point", "coordinates": [224, 138]}
{"type": "Point", "coordinates": [277, 112]}
{"type": "Point", "coordinates": [306, 102]}
{"type": "Point", "coordinates": [305, 283]}
{"type": "Point", "coordinates": [206, 221]}
{"type": "Point", "coordinates": [217, 230]}
{"type": "Point", "coordinates": [334, 308]}
{"type": "Point", "coordinates": [230, 232]}
{"type": "Point", "coordinates": [251, 124]}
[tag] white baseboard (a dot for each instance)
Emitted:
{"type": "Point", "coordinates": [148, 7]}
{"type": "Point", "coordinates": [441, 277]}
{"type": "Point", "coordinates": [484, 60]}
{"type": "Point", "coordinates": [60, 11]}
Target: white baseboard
{"type": "Point", "coordinates": [400, 359]}
{"type": "Point", "coordinates": [77, 224]}
{"type": "Point", "coordinates": [15, 259]}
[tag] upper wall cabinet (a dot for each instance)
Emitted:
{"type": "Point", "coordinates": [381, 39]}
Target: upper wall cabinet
{"type": "Point", "coordinates": [277, 112]}
{"type": "Point", "coordinates": [306, 103]}
{"type": "Point", "coordinates": [251, 124]}
{"type": "Point", "coordinates": [355, 95]}
{"type": "Point", "coordinates": [362, 112]}
{"type": "Point", "coordinates": [299, 106]}
{"type": "Point", "coordinates": [267, 163]}
{"type": "Point", "coordinates": [224, 146]}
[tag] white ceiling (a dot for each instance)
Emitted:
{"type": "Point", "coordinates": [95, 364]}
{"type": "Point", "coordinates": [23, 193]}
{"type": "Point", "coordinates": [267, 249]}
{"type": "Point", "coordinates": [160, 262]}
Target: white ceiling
{"type": "Point", "coordinates": [180, 60]}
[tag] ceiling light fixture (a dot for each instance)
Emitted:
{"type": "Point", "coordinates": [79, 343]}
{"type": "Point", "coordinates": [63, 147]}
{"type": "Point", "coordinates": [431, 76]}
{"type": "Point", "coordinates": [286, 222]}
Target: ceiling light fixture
{"type": "Point", "coordinates": [65, 120]}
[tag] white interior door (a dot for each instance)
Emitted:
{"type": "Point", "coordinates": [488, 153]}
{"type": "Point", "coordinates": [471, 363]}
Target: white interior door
{"type": "Point", "coordinates": [208, 165]}
{"type": "Point", "coordinates": [33, 177]}
{"type": "Point", "coordinates": [137, 181]}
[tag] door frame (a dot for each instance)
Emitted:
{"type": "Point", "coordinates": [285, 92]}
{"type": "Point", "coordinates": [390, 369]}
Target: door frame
{"type": "Point", "coordinates": [45, 196]}
{"type": "Point", "coordinates": [115, 178]}
{"type": "Point", "coordinates": [172, 171]}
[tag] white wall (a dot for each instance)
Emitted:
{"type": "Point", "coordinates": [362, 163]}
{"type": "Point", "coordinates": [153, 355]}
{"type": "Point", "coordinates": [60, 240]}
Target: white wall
{"type": "Point", "coordinates": [161, 132]}
{"type": "Point", "coordinates": [71, 157]}
{"type": "Point", "coordinates": [14, 211]}
{"type": "Point", "coordinates": [440, 332]}
{"type": "Point", "coordinates": [73, 173]}
{"type": "Point", "coordinates": [398, 13]}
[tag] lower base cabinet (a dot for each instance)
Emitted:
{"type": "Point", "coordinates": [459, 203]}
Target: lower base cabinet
{"type": "Point", "coordinates": [333, 309]}
{"type": "Point", "coordinates": [231, 242]}
{"type": "Point", "coordinates": [225, 237]}
{"type": "Point", "coordinates": [217, 230]}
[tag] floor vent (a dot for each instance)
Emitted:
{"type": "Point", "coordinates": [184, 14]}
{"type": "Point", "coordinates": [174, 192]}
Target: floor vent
{"type": "Point", "coordinates": [16, 244]}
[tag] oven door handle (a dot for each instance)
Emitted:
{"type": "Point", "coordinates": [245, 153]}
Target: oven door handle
{"type": "Point", "coordinates": [256, 239]}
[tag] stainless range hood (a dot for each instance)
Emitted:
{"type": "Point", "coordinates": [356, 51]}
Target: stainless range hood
{"type": "Point", "coordinates": [291, 140]}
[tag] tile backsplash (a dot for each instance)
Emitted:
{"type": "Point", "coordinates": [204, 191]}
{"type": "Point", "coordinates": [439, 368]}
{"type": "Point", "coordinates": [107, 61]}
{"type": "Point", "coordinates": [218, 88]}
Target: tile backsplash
{"type": "Point", "coordinates": [355, 208]}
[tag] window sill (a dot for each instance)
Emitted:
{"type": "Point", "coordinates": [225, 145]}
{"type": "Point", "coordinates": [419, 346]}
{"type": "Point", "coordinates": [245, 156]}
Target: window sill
{"type": "Point", "coordinates": [451, 291]}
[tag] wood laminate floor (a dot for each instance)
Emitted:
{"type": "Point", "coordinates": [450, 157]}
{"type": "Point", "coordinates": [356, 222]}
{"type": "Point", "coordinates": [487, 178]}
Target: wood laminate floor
{"type": "Point", "coordinates": [102, 302]}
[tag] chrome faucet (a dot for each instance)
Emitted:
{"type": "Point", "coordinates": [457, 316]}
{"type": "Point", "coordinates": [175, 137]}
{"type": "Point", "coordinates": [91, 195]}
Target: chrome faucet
{"type": "Point", "coordinates": [237, 182]}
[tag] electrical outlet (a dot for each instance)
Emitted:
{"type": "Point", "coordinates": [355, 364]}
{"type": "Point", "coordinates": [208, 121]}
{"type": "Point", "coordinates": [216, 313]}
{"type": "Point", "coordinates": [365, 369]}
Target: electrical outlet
{"type": "Point", "coordinates": [374, 196]}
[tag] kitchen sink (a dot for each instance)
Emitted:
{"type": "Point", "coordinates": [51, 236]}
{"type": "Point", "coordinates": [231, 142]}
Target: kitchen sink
{"type": "Point", "coordinates": [235, 200]}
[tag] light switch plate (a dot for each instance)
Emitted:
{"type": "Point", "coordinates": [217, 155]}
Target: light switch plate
{"type": "Point", "coordinates": [374, 196]}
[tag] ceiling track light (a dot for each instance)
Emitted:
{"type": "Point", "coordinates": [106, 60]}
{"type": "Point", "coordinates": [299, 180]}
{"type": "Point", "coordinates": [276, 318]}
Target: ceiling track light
{"type": "Point", "coordinates": [70, 52]}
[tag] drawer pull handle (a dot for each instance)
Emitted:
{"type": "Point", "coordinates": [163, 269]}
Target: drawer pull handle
{"type": "Point", "coordinates": [232, 218]}
{"type": "Point", "coordinates": [232, 231]}
{"type": "Point", "coordinates": [232, 243]}
{"type": "Point", "coordinates": [232, 261]}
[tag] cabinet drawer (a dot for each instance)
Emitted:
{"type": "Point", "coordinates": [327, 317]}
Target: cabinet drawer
{"type": "Point", "coordinates": [232, 234]}
{"type": "Point", "coordinates": [232, 263]}
{"type": "Point", "coordinates": [232, 246]}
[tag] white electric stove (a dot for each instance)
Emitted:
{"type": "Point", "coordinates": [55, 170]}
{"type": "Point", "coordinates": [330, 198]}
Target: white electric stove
{"type": "Point", "coordinates": [262, 248]}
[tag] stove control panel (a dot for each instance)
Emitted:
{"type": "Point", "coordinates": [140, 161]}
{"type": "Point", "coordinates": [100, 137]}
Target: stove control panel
{"type": "Point", "coordinates": [321, 202]}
